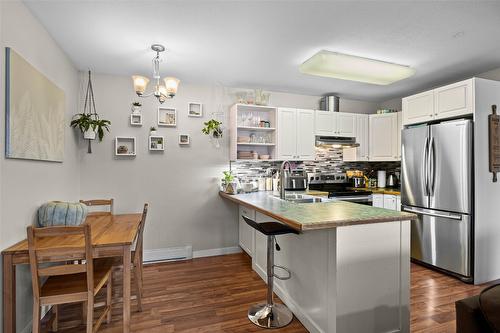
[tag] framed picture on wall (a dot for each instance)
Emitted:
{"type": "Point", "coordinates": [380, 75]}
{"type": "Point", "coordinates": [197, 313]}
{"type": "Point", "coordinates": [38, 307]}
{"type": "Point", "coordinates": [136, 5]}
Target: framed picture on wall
{"type": "Point", "coordinates": [184, 139]}
{"type": "Point", "coordinates": [167, 117]}
{"type": "Point", "coordinates": [195, 110]}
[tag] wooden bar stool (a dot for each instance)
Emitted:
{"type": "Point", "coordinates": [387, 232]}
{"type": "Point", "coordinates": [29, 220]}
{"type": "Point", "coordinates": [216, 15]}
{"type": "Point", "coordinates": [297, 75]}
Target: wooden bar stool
{"type": "Point", "coordinates": [270, 314]}
{"type": "Point", "coordinates": [67, 283]}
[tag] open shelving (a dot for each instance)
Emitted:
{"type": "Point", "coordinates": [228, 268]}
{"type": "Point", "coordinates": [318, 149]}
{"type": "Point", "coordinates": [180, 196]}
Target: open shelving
{"type": "Point", "coordinates": [245, 121]}
{"type": "Point", "coordinates": [125, 141]}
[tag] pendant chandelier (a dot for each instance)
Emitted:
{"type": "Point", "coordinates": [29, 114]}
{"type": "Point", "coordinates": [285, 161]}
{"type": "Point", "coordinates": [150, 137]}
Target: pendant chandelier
{"type": "Point", "coordinates": [161, 91]}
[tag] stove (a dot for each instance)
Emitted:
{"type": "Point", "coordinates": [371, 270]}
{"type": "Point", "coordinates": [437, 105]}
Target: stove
{"type": "Point", "coordinates": [338, 187]}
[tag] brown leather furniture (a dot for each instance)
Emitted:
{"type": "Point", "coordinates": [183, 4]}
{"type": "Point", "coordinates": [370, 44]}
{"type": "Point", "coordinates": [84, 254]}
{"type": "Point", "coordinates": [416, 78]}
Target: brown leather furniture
{"type": "Point", "coordinates": [481, 313]}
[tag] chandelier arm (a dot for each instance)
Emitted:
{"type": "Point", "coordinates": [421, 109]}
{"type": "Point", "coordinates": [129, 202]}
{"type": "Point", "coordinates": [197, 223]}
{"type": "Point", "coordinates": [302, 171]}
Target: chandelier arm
{"type": "Point", "coordinates": [146, 95]}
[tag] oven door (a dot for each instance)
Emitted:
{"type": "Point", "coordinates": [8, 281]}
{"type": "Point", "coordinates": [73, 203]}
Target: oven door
{"type": "Point", "coordinates": [359, 199]}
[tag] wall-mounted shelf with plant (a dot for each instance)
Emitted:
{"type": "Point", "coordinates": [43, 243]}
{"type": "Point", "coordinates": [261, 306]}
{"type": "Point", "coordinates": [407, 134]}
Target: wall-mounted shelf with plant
{"type": "Point", "coordinates": [89, 122]}
{"type": "Point", "coordinates": [156, 143]}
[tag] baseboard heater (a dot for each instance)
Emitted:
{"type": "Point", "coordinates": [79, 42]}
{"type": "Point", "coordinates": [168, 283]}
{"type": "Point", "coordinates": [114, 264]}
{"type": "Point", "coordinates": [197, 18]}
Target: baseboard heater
{"type": "Point", "coordinates": [184, 253]}
{"type": "Point", "coordinates": [168, 254]}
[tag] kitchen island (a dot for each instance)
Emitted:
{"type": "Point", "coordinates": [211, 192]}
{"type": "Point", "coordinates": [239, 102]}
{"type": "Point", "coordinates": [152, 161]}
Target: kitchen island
{"type": "Point", "coordinates": [350, 263]}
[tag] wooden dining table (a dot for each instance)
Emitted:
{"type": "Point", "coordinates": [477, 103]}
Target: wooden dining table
{"type": "Point", "coordinates": [112, 236]}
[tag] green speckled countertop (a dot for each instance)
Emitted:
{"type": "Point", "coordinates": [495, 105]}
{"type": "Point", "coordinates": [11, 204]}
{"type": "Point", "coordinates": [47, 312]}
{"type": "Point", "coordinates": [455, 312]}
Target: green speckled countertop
{"type": "Point", "coordinates": [313, 216]}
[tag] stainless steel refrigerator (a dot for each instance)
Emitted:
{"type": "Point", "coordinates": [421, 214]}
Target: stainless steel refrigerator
{"type": "Point", "coordinates": [437, 185]}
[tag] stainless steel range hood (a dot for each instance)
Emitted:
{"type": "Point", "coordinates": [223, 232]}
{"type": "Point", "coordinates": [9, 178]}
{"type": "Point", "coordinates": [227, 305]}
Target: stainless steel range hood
{"type": "Point", "coordinates": [335, 142]}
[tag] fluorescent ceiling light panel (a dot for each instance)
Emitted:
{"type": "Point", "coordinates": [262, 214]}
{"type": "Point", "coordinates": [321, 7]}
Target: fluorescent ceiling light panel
{"type": "Point", "coordinates": [353, 68]}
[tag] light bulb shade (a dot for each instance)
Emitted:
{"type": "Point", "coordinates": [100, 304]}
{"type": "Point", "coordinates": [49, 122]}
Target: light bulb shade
{"type": "Point", "coordinates": [140, 84]}
{"type": "Point", "coordinates": [171, 85]}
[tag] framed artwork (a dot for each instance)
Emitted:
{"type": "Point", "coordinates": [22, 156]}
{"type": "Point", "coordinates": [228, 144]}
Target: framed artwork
{"type": "Point", "coordinates": [34, 110]}
{"type": "Point", "coordinates": [167, 116]}
{"type": "Point", "coordinates": [195, 110]}
{"type": "Point", "coordinates": [156, 143]}
{"type": "Point", "coordinates": [184, 139]}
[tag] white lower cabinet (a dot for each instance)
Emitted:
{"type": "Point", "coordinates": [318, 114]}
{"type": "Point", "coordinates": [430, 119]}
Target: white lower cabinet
{"type": "Point", "coordinates": [378, 200]}
{"type": "Point", "coordinates": [246, 232]}
{"type": "Point", "coordinates": [387, 201]}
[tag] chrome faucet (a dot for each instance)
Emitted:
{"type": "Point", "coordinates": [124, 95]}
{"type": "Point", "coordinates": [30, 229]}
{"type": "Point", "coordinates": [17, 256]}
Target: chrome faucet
{"type": "Point", "coordinates": [282, 177]}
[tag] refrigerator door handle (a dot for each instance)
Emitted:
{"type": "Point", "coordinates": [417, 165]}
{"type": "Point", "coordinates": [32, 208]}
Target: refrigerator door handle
{"type": "Point", "coordinates": [432, 166]}
{"type": "Point", "coordinates": [455, 217]}
{"type": "Point", "coordinates": [425, 177]}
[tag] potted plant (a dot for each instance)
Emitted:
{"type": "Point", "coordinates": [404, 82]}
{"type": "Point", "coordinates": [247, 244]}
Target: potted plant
{"type": "Point", "coordinates": [136, 108]}
{"type": "Point", "coordinates": [152, 131]}
{"type": "Point", "coordinates": [213, 128]}
{"type": "Point", "coordinates": [229, 183]}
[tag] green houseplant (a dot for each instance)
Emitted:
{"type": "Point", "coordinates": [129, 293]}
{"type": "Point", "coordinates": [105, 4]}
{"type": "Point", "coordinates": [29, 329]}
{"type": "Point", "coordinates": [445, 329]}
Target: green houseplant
{"type": "Point", "coordinates": [229, 183]}
{"type": "Point", "coordinates": [89, 122]}
{"type": "Point", "coordinates": [213, 128]}
{"type": "Point", "coordinates": [90, 125]}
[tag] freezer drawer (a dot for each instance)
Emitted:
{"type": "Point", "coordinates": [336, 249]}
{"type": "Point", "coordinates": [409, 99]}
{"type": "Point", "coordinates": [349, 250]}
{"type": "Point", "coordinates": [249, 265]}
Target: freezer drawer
{"type": "Point", "coordinates": [444, 242]}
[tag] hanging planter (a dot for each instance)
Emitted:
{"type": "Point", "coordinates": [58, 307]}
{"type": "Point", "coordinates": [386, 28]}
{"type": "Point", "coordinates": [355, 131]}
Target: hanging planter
{"type": "Point", "coordinates": [213, 128]}
{"type": "Point", "coordinates": [89, 122]}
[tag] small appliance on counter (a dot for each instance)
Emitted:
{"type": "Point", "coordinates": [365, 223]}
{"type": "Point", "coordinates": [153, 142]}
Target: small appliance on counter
{"type": "Point", "coordinates": [357, 178]}
{"type": "Point", "coordinates": [295, 180]}
{"type": "Point", "coordinates": [392, 180]}
{"type": "Point", "coordinates": [381, 178]}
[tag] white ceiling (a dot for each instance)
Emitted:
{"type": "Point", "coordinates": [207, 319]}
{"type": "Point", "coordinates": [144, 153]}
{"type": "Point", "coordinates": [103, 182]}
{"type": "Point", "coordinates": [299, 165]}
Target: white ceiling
{"type": "Point", "coordinates": [261, 43]}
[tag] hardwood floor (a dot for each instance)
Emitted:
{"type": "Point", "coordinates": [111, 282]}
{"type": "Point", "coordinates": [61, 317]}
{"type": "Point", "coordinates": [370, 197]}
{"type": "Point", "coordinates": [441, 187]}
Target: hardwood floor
{"type": "Point", "coordinates": [213, 295]}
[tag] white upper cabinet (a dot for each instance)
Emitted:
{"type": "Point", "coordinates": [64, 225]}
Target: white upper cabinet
{"type": "Point", "coordinates": [384, 132]}
{"type": "Point", "coordinates": [287, 133]}
{"type": "Point", "coordinates": [453, 100]}
{"type": "Point", "coordinates": [305, 134]}
{"type": "Point", "coordinates": [418, 108]}
{"type": "Point", "coordinates": [330, 123]}
{"type": "Point", "coordinates": [359, 153]}
{"type": "Point", "coordinates": [295, 134]}
{"type": "Point", "coordinates": [324, 123]}
{"type": "Point", "coordinates": [346, 124]}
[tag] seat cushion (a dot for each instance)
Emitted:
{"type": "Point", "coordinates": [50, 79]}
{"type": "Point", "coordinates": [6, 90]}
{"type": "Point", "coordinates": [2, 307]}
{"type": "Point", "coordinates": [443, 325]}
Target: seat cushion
{"type": "Point", "coordinates": [489, 303]}
{"type": "Point", "coordinates": [270, 228]}
{"type": "Point", "coordinates": [470, 319]}
{"type": "Point", "coordinates": [77, 283]}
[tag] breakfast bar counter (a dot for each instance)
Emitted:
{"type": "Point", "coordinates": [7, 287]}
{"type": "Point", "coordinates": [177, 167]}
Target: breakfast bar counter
{"type": "Point", "coordinates": [321, 215]}
{"type": "Point", "coordinates": [350, 263]}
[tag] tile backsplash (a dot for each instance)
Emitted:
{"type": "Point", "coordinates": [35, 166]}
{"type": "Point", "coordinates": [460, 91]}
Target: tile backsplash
{"type": "Point", "coordinates": [327, 160]}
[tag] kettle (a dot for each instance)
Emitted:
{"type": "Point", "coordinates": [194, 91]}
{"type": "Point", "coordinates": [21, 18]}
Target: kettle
{"type": "Point", "coordinates": [392, 180]}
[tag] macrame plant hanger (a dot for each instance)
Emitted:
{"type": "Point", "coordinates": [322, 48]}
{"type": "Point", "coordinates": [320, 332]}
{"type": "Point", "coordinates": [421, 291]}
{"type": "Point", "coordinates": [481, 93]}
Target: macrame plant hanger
{"type": "Point", "coordinates": [89, 108]}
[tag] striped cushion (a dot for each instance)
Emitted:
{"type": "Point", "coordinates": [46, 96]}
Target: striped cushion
{"type": "Point", "coordinates": [57, 213]}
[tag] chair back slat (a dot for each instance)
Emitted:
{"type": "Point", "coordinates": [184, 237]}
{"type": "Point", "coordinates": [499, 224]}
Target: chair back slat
{"type": "Point", "coordinates": [100, 203]}
{"type": "Point", "coordinates": [140, 232]}
{"type": "Point", "coordinates": [43, 247]}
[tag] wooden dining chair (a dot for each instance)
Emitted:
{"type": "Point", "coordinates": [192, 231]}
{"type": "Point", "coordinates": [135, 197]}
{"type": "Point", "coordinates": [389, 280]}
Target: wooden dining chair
{"type": "Point", "coordinates": [100, 203]}
{"type": "Point", "coordinates": [67, 283]}
{"type": "Point", "coordinates": [137, 257]}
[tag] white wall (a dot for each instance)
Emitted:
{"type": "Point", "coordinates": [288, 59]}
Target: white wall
{"type": "Point", "coordinates": [27, 184]}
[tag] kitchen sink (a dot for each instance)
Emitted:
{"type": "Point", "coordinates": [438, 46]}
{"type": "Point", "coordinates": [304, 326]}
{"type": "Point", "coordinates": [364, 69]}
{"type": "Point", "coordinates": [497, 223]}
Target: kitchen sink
{"type": "Point", "coordinates": [301, 198]}
{"type": "Point", "coordinates": [306, 200]}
